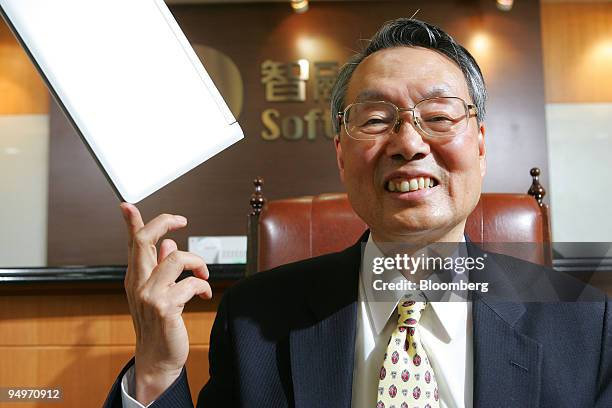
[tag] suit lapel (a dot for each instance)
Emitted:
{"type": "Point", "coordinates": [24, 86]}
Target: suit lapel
{"type": "Point", "coordinates": [322, 353]}
{"type": "Point", "coordinates": [322, 361]}
{"type": "Point", "coordinates": [507, 364]}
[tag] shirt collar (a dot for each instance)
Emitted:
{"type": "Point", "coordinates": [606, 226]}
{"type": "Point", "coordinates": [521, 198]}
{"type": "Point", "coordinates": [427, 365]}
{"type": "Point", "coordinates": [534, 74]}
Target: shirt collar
{"type": "Point", "coordinates": [381, 311]}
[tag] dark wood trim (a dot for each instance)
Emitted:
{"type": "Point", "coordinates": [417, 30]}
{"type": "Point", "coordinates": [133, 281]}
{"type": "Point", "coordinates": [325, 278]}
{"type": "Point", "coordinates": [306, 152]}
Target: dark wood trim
{"type": "Point", "coordinates": [537, 191]}
{"type": "Point", "coordinates": [583, 264]}
{"type": "Point", "coordinates": [109, 279]}
{"type": "Point", "coordinates": [101, 274]}
{"type": "Point", "coordinates": [257, 203]}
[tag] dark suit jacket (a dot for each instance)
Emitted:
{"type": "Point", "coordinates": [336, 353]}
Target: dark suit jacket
{"type": "Point", "coordinates": [286, 338]}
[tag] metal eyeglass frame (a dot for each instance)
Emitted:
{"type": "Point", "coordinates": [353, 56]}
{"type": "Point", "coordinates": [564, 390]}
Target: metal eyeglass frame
{"type": "Point", "coordinates": [470, 111]}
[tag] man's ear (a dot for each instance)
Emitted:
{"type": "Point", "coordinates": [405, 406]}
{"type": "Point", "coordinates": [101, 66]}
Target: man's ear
{"type": "Point", "coordinates": [482, 150]}
{"type": "Point", "coordinates": [339, 156]}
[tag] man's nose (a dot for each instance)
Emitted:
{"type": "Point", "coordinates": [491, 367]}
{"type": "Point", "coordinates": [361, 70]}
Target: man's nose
{"type": "Point", "coordinates": [404, 141]}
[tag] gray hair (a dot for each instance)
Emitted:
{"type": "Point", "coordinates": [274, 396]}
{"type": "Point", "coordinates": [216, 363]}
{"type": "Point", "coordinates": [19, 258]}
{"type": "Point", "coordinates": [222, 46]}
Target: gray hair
{"type": "Point", "coordinates": [408, 32]}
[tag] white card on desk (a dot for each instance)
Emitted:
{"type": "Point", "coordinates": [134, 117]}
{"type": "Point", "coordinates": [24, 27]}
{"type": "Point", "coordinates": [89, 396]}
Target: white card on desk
{"type": "Point", "coordinates": [130, 83]}
{"type": "Point", "coordinates": [220, 250]}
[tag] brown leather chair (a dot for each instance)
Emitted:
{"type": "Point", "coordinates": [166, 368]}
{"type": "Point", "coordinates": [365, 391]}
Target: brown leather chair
{"type": "Point", "coordinates": [283, 231]}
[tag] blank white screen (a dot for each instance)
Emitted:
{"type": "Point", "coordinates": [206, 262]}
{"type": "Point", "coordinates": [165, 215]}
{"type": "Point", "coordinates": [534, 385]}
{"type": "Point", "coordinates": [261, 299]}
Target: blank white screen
{"type": "Point", "coordinates": [132, 84]}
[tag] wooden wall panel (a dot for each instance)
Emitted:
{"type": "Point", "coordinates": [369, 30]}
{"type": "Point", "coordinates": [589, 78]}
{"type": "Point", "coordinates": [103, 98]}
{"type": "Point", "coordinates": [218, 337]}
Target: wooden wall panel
{"type": "Point", "coordinates": [89, 319]}
{"type": "Point", "coordinates": [84, 373]}
{"type": "Point", "coordinates": [577, 51]}
{"type": "Point", "coordinates": [22, 89]}
{"type": "Point", "coordinates": [80, 342]}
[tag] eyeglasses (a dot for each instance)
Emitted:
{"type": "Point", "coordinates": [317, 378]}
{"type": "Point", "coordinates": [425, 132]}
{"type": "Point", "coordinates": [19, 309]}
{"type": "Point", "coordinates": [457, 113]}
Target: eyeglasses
{"type": "Point", "coordinates": [434, 117]}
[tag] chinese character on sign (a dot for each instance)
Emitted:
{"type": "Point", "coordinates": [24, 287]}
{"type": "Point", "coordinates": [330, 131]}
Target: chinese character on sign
{"type": "Point", "coordinates": [325, 75]}
{"type": "Point", "coordinates": [285, 82]}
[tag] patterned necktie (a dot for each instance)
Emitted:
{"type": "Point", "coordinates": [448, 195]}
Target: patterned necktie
{"type": "Point", "coordinates": [406, 377]}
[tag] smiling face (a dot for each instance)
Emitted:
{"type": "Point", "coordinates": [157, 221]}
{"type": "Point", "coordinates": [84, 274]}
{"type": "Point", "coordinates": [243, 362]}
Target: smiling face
{"type": "Point", "coordinates": [377, 172]}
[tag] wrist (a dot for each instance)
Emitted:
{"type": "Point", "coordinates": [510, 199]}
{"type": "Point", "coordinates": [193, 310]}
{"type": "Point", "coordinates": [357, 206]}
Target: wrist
{"type": "Point", "coordinates": [151, 382]}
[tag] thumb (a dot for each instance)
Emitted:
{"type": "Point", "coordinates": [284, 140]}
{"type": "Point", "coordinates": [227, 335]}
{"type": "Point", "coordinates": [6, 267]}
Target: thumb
{"type": "Point", "coordinates": [166, 248]}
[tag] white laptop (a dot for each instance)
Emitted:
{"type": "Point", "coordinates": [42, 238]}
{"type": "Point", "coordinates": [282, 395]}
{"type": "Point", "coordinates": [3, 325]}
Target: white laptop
{"type": "Point", "coordinates": [130, 83]}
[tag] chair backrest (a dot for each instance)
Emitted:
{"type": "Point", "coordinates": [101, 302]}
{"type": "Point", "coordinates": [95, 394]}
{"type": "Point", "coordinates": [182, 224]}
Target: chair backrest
{"type": "Point", "coordinates": [298, 228]}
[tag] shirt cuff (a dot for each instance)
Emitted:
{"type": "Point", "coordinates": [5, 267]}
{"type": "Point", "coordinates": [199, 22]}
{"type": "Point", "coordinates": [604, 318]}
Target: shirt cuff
{"type": "Point", "coordinates": [128, 387]}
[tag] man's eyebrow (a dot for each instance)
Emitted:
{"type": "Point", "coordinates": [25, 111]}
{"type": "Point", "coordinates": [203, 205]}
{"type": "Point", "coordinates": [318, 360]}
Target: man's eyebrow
{"type": "Point", "coordinates": [436, 92]}
{"type": "Point", "coordinates": [374, 95]}
{"type": "Point", "coordinates": [370, 95]}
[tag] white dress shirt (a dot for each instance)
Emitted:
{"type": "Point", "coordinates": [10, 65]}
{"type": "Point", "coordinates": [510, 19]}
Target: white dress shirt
{"type": "Point", "coordinates": [446, 334]}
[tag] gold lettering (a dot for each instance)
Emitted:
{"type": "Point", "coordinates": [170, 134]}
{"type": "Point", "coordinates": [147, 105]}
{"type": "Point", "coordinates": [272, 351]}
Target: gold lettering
{"type": "Point", "coordinates": [315, 123]}
{"type": "Point", "coordinates": [312, 118]}
{"type": "Point", "coordinates": [293, 128]}
{"type": "Point", "coordinates": [272, 131]}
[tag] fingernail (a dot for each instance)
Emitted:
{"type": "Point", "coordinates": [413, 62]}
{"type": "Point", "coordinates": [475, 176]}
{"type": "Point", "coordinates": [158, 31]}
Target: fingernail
{"type": "Point", "coordinates": [180, 219]}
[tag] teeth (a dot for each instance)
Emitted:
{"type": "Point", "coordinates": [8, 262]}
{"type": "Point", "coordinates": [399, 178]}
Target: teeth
{"type": "Point", "coordinates": [414, 184]}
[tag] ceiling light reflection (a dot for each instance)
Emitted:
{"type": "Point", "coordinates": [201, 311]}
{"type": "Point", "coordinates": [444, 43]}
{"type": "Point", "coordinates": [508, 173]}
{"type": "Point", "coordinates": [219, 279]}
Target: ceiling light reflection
{"type": "Point", "coordinates": [299, 6]}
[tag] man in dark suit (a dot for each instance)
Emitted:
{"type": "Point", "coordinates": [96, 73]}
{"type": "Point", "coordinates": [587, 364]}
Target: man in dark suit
{"type": "Point", "coordinates": [411, 153]}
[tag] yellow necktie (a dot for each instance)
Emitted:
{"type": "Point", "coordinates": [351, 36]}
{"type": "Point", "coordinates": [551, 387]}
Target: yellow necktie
{"type": "Point", "coordinates": [406, 378]}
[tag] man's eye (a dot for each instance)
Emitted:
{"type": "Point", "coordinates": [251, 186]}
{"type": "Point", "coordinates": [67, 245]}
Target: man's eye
{"type": "Point", "coordinates": [442, 119]}
{"type": "Point", "coordinates": [374, 121]}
